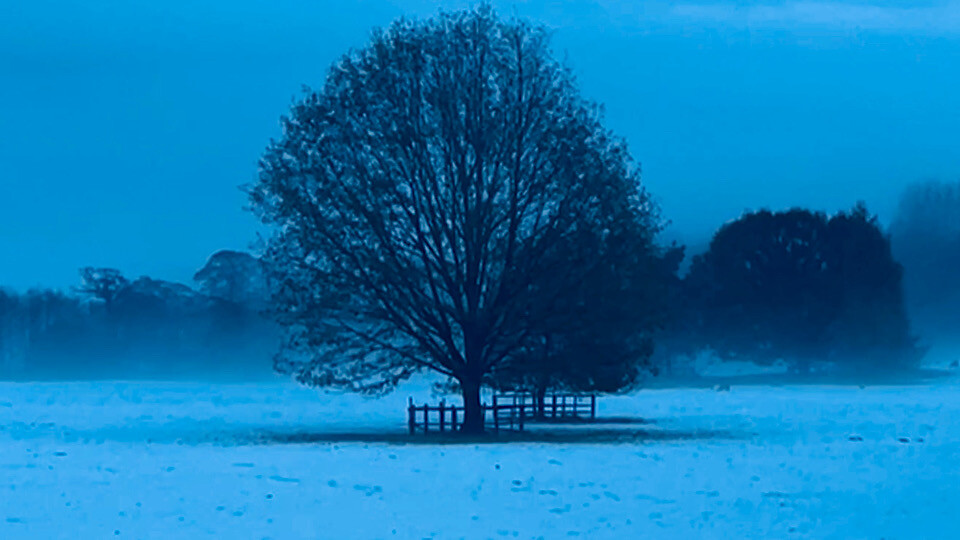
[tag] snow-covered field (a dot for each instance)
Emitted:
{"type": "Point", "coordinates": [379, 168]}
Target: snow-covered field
{"type": "Point", "coordinates": [178, 460]}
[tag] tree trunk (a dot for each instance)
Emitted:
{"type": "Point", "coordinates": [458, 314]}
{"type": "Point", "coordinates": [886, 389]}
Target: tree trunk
{"type": "Point", "coordinates": [472, 412]}
{"type": "Point", "coordinates": [541, 401]}
{"type": "Point", "coordinates": [543, 380]}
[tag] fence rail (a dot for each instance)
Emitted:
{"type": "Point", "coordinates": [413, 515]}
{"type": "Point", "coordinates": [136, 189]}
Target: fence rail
{"type": "Point", "coordinates": [555, 406]}
{"type": "Point", "coordinates": [507, 412]}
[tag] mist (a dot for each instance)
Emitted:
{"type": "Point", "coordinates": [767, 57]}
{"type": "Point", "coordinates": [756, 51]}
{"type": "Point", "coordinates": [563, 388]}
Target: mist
{"type": "Point", "coordinates": [926, 239]}
{"type": "Point", "coordinates": [109, 326]}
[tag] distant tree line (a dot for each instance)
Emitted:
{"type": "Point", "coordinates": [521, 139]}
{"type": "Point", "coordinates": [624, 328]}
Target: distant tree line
{"type": "Point", "coordinates": [110, 326]}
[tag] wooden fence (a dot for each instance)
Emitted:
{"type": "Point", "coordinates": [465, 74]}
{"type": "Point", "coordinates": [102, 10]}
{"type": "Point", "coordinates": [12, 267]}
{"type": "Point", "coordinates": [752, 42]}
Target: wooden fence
{"type": "Point", "coordinates": [441, 418]}
{"type": "Point", "coordinates": [555, 406]}
{"type": "Point", "coordinates": [507, 412]}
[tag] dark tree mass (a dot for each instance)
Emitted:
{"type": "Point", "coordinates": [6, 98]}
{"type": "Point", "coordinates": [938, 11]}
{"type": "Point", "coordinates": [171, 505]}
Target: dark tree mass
{"type": "Point", "coordinates": [800, 287]}
{"type": "Point", "coordinates": [599, 335]}
{"type": "Point", "coordinates": [446, 187]}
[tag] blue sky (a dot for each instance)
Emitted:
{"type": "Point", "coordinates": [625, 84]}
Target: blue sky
{"type": "Point", "coordinates": [127, 126]}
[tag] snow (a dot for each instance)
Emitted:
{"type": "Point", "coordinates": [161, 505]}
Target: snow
{"type": "Point", "coordinates": [179, 460]}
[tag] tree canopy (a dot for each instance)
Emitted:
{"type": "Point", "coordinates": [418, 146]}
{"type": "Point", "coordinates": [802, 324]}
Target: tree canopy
{"type": "Point", "coordinates": [801, 287]}
{"type": "Point", "coordinates": [234, 276]}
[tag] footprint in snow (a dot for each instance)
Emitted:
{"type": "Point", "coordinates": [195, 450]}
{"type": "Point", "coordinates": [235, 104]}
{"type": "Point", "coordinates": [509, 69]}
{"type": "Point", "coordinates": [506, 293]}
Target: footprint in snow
{"type": "Point", "coordinates": [278, 478]}
{"type": "Point", "coordinates": [611, 495]}
{"type": "Point", "coordinates": [642, 497]}
{"type": "Point", "coordinates": [368, 490]}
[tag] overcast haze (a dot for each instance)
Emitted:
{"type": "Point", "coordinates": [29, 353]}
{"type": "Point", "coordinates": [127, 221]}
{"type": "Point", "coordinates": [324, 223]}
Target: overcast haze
{"type": "Point", "coordinates": [126, 127]}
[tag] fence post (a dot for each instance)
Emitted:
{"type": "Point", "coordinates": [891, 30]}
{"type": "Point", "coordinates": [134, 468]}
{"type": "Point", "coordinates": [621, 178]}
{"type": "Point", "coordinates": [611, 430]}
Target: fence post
{"type": "Point", "coordinates": [426, 417]}
{"type": "Point", "coordinates": [496, 416]}
{"type": "Point", "coordinates": [411, 416]}
{"type": "Point", "coordinates": [554, 406]}
{"type": "Point", "coordinates": [453, 418]}
{"type": "Point", "coordinates": [563, 406]}
{"type": "Point", "coordinates": [593, 406]}
{"type": "Point", "coordinates": [521, 417]}
{"type": "Point", "coordinates": [441, 416]}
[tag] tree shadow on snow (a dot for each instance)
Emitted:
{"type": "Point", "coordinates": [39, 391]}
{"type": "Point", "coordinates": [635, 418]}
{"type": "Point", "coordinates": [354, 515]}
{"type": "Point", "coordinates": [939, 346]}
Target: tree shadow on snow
{"type": "Point", "coordinates": [606, 430]}
{"type": "Point", "coordinates": [586, 421]}
{"type": "Point", "coordinates": [591, 435]}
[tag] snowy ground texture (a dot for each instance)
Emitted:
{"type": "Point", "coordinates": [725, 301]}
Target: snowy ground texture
{"type": "Point", "coordinates": [178, 460]}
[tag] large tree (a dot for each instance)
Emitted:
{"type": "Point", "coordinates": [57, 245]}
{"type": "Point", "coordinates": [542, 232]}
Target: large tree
{"type": "Point", "coordinates": [418, 199]}
{"type": "Point", "coordinates": [801, 287]}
